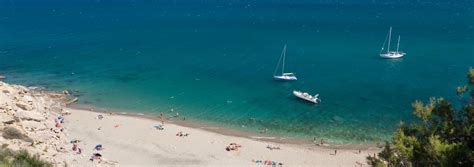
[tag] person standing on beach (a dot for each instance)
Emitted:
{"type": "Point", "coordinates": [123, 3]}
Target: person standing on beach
{"type": "Point", "coordinates": [161, 118]}
{"type": "Point", "coordinates": [335, 152]}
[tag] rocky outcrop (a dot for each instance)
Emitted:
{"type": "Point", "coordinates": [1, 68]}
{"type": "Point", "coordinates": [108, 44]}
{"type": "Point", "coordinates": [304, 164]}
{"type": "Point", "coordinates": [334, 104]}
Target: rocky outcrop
{"type": "Point", "coordinates": [13, 133]}
{"type": "Point", "coordinates": [72, 101]}
{"type": "Point", "coordinates": [27, 121]}
{"type": "Point", "coordinates": [29, 116]}
{"type": "Point", "coordinates": [24, 106]}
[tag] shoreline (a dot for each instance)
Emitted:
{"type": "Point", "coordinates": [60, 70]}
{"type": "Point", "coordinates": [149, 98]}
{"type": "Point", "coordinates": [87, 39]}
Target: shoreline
{"type": "Point", "coordinates": [64, 136]}
{"type": "Point", "coordinates": [225, 131]}
{"type": "Point", "coordinates": [122, 134]}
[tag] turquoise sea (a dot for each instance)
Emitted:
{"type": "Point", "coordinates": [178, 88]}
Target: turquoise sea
{"type": "Point", "coordinates": [213, 60]}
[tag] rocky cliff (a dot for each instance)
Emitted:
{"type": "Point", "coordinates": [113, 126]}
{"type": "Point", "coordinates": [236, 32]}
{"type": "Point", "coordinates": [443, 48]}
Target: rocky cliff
{"type": "Point", "coordinates": [29, 121]}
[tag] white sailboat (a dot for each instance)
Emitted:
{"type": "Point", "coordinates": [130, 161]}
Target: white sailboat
{"type": "Point", "coordinates": [305, 96]}
{"type": "Point", "coordinates": [391, 54]}
{"type": "Point", "coordinates": [283, 76]}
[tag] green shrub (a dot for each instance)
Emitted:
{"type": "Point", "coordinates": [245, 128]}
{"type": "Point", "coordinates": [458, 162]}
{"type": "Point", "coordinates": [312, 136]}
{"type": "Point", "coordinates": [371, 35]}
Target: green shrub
{"type": "Point", "coordinates": [9, 158]}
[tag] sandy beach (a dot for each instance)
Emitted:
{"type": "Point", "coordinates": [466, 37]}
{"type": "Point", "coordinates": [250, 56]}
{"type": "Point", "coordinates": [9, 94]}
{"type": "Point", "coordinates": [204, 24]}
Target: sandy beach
{"type": "Point", "coordinates": [39, 121]}
{"type": "Point", "coordinates": [131, 141]}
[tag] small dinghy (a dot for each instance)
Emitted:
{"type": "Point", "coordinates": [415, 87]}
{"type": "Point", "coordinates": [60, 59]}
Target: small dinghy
{"type": "Point", "coordinates": [306, 96]}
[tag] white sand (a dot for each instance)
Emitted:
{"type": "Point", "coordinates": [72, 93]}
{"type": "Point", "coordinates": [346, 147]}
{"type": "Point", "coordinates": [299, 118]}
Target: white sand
{"type": "Point", "coordinates": [137, 143]}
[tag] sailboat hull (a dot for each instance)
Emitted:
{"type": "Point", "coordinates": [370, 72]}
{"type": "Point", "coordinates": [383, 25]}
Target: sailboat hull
{"type": "Point", "coordinates": [285, 78]}
{"type": "Point", "coordinates": [392, 55]}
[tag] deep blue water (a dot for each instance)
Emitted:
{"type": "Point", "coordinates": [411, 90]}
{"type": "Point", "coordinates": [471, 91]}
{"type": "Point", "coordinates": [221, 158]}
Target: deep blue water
{"type": "Point", "coordinates": [213, 60]}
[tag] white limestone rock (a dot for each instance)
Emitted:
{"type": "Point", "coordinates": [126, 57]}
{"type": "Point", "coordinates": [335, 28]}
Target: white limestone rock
{"type": "Point", "coordinates": [29, 115]}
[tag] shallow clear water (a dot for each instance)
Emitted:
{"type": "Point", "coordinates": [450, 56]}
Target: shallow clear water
{"type": "Point", "coordinates": [212, 61]}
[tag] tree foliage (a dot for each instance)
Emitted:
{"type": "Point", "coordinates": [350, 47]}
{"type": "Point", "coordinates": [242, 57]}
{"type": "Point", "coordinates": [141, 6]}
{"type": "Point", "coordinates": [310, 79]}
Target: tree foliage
{"type": "Point", "coordinates": [441, 137]}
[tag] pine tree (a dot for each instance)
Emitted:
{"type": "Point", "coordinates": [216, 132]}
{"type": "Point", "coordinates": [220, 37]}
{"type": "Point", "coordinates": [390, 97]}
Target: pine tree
{"type": "Point", "coordinates": [443, 136]}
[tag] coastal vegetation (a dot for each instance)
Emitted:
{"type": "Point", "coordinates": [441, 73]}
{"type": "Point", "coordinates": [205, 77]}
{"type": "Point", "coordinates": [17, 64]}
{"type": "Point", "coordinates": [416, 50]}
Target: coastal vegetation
{"type": "Point", "coordinates": [442, 136]}
{"type": "Point", "coordinates": [20, 158]}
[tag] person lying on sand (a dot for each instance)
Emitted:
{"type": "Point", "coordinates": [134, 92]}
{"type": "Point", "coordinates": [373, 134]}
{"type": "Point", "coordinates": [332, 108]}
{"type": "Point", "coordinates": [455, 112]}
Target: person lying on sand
{"type": "Point", "coordinates": [268, 162]}
{"type": "Point", "coordinates": [235, 144]}
{"type": "Point", "coordinates": [75, 147]}
{"type": "Point", "coordinates": [181, 134]}
{"type": "Point", "coordinates": [257, 161]}
{"type": "Point", "coordinates": [96, 156]}
{"type": "Point", "coordinates": [273, 147]}
{"type": "Point", "coordinates": [159, 127]}
{"type": "Point", "coordinates": [233, 147]}
{"type": "Point", "coordinates": [65, 113]}
{"type": "Point", "coordinates": [272, 163]}
{"type": "Point", "coordinates": [75, 141]}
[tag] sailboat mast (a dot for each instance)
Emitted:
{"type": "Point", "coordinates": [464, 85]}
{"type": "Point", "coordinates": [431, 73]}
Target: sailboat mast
{"type": "Point", "coordinates": [284, 56]}
{"type": "Point", "coordinates": [389, 39]}
{"type": "Point", "coordinates": [398, 44]}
